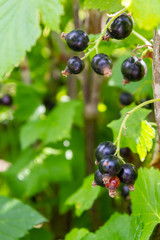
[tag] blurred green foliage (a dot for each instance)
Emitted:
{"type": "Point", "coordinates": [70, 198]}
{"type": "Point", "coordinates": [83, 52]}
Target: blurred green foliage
{"type": "Point", "coordinates": [43, 134]}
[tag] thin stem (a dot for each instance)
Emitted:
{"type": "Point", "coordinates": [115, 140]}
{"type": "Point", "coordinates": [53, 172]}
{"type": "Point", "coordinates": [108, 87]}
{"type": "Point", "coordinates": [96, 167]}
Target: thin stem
{"type": "Point", "coordinates": [102, 33]}
{"type": "Point", "coordinates": [128, 114]}
{"type": "Point", "coordinates": [142, 38]}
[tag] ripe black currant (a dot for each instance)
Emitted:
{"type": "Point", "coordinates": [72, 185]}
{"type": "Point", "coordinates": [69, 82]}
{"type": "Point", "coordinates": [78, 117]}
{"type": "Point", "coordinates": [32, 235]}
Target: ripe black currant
{"type": "Point", "coordinates": [125, 152]}
{"type": "Point", "coordinates": [128, 174]}
{"type": "Point", "coordinates": [104, 149]}
{"type": "Point", "coordinates": [74, 66]}
{"type": "Point", "coordinates": [6, 100]}
{"type": "Point", "coordinates": [133, 69]}
{"type": "Point", "coordinates": [110, 165]}
{"type": "Point", "coordinates": [125, 191]}
{"type": "Point", "coordinates": [77, 40]}
{"type": "Point", "coordinates": [102, 64]}
{"type": "Point", "coordinates": [126, 98]}
{"type": "Point", "coordinates": [98, 178]}
{"type": "Point", "coordinates": [121, 27]}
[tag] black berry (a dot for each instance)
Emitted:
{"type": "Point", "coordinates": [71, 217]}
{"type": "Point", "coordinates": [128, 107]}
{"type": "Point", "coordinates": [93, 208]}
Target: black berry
{"type": "Point", "coordinates": [121, 27]}
{"type": "Point", "coordinates": [77, 40]}
{"type": "Point", "coordinates": [125, 152]}
{"type": "Point", "coordinates": [6, 100]}
{"type": "Point", "coordinates": [102, 64]}
{"type": "Point", "coordinates": [133, 69]}
{"type": "Point", "coordinates": [98, 178]}
{"type": "Point", "coordinates": [126, 98]}
{"type": "Point", "coordinates": [110, 165]}
{"type": "Point", "coordinates": [104, 149]}
{"type": "Point", "coordinates": [128, 174]}
{"type": "Point", "coordinates": [125, 191]}
{"type": "Point", "coordinates": [74, 66]}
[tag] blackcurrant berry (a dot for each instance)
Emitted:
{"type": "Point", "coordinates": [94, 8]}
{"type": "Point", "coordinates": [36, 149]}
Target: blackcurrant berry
{"type": "Point", "coordinates": [74, 66]}
{"type": "Point", "coordinates": [121, 27]}
{"type": "Point", "coordinates": [102, 64]}
{"type": "Point", "coordinates": [114, 182]}
{"type": "Point", "coordinates": [126, 98]}
{"type": "Point", "coordinates": [128, 174]}
{"type": "Point", "coordinates": [77, 40]}
{"type": "Point", "coordinates": [110, 165]}
{"type": "Point", "coordinates": [98, 178]}
{"type": "Point", "coordinates": [6, 100]}
{"type": "Point", "coordinates": [104, 149]}
{"type": "Point", "coordinates": [133, 69]}
{"type": "Point", "coordinates": [125, 152]}
{"type": "Point", "coordinates": [125, 191]}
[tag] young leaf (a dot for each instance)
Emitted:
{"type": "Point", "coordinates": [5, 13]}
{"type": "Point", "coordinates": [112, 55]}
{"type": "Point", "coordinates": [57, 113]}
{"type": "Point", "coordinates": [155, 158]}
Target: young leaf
{"type": "Point", "coordinates": [84, 197]}
{"type": "Point", "coordinates": [133, 127]}
{"type": "Point", "coordinates": [145, 199]}
{"type": "Point", "coordinates": [19, 24]}
{"type": "Point", "coordinates": [16, 218]}
{"type": "Point", "coordinates": [145, 142]}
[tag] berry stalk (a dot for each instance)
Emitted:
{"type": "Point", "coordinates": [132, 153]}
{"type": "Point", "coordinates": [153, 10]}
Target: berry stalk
{"type": "Point", "coordinates": [128, 114]}
{"type": "Point", "coordinates": [102, 33]}
{"type": "Point", "coordinates": [142, 38]}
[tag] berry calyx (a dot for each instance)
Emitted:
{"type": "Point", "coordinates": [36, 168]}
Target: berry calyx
{"type": "Point", "coordinates": [128, 174]}
{"type": "Point", "coordinates": [133, 69]}
{"type": "Point", "coordinates": [102, 64]}
{"type": "Point", "coordinates": [77, 40]}
{"type": "Point", "coordinates": [114, 182]}
{"type": "Point", "coordinates": [126, 98]}
{"type": "Point", "coordinates": [104, 149]}
{"type": "Point", "coordinates": [74, 66]}
{"type": "Point", "coordinates": [110, 165]}
{"type": "Point", "coordinates": [112, 185]}
{"type": "Point", "coordinates": [6, 100]}
{"type": "Point", "coordinates": [98, 178]}
{"type": "Point", "coordinates": [121, 27]}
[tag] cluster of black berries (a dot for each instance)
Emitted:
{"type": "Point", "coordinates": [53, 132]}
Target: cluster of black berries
{"type": "Point", "coordinates": [133, 69]}
{"type": "Point", "coordinates": [78, 41]}
{"type": "Point", "coordinates": [6, 100]}
{"type": "Point", "coordinates": [112, 171]}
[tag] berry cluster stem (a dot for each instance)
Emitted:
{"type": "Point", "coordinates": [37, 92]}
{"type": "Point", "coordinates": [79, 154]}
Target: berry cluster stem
{"type": "Point", "coordinates": [128, 114]}
{"type": "Point", "coordinates": [102, 33]}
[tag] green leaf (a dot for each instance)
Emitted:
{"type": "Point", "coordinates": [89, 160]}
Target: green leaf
{"type": "Point", "coordinates": [16, 218]}
{"type": "Point", "coordinates": [76, 234]}
{"type": "Point", "coordinates": [19, 27]}
{"type": "Point", "coordinates": [84, 197]}
{"type": "Point", "coordinates": [55, 127]}
{"type": "Point", "coordinates": [26, 101]}
{"type": "Point", "coordinates": [145, 199]}
{"type": "Point", "coordinates": [51, 11]}
{"type": "Point", "coordinates": [149, 18]}
{"type": "Point", "coordinates": [113, 6]}
{"type": "Point", "coordinates": [33, 171]}
{"type": "Point", "coordinates": [40, 234]}
{"type": "Point", "coordinates": [145, 142]}
{"type": "Point", "coordinates": [133, 127]}
{"type": "Point", "coordinates": [120, 227]}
